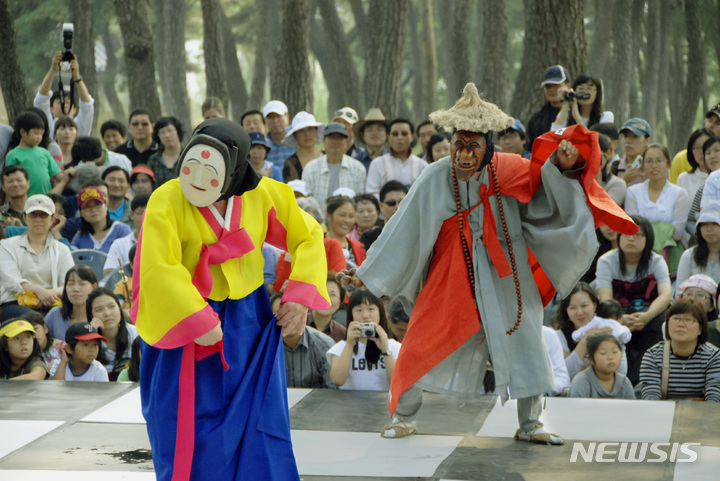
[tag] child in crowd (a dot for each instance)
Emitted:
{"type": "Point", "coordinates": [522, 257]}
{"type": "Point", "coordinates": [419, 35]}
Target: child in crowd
{"type": "Point", "coordinates": [356, 363]}
{"type": "Point", "coordinates": [38, 162]}
{"type": "Point", "coordinates": [80, 281]}
{"type": "Point", "coordinates": [131, 373]}
{"type": "Point", "coordinates": [323, 320]}
{"type": "Point", "coordinates": [50, 348]}
{"type": "Point", "coordinates": [106, 314]}
{"type": "Point", "coordinates": [142, 180]}
{"type": "Point", "coordinates": [609, 309]}
{"type": "Point", "coordinates": [259, 149]}
{"type": "Point", "coordinates": [79, 361]}
{"type": "Point", "coordinates": [20, 353]}
{"type": "Point", "coordinates": [602, 381]}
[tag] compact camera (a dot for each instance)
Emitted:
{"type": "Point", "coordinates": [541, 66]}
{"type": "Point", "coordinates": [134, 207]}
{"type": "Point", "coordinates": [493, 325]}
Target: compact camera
{"type": "Point", "coordinates": [367, 329]}
{"type": "Point", "coordinates": [67, 35]}
{"type": "Point", "coordinates": [571, 96]}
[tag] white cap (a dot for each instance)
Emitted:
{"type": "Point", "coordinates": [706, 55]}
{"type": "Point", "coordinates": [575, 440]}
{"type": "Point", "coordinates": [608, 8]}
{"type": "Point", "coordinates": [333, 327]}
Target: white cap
{"type": "Point", "coordinates": [299, 186]}
{"type": "Point", "coordinates": [275, 107]}
{"type": "Point", "coordinates": [39, 202]}
{"type": "Point", "coordinates": [346, 191]}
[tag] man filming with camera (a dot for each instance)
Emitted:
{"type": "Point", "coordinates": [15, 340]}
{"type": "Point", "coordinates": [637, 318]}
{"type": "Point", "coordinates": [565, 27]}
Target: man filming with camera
{"type": "Point", "coordinates": [556, 81]}
{"type": "Point", "coordinates": [60, 104]}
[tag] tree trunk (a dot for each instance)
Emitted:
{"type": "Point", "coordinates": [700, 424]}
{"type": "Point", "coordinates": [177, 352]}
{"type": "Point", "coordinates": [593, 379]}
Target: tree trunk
{"type": "Point", "coordinates": [81, 13]}
{"type": "Point", "coordinates": [338, 49]}
{"type": "Point", "coordinates": [213, 51]}
{"type": "Point", "coordinates": [11, 76]}
{"type": "Point", "coordinates": [139, 56]}
{"type": "Point", "coordinates": [492, 69]}
{"type": "Point", "coordinates": [684, 118]}
{"type": "Point", "coordinates": [418, 100]}
{"type": "Point", "coordinates": [159, 34]}
{"type": "Point", "coordinates": [554, 34]}
{"type": "Point", "coordinates": [602, 36]}
{"type": "Point", "coordinates": [107, 78]}
{"type": "Point", "coordinates": [618, 82]}
{"type": "Point", "coordinates": [457, 48]}
{"type": "Point", "coordinates": [264, 49]}
{"type": "Point", "coordinates": [638, 21]}
{"type": "Point", "coordinates": [291, 80]}
{"type": "Point", "coordinates": [175, 92]}
{"type": "Point", "coordinates": [667, 17]}
{"type": "Point", "coordinates": [429, 81]}
{"type": "Point", "coordinates": [383, 66]}
{"type": "Point", "coordinates": [362, 23]}
{"type": "Point", "coordinates": [237, 90]}
{"type": "Point", "coordinates": [650, 76]}
{"type": "Point", "coordinates": [333, 79]}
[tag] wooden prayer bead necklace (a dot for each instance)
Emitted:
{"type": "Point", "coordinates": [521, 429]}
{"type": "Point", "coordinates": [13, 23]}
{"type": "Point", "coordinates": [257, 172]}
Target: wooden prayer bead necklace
{"type": "Point", "coordinates": [466, 250]}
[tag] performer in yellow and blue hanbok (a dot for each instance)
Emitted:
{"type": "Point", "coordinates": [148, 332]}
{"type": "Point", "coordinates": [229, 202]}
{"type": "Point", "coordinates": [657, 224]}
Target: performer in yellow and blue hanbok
{"type": "Point", "coordinates": [212, 375]}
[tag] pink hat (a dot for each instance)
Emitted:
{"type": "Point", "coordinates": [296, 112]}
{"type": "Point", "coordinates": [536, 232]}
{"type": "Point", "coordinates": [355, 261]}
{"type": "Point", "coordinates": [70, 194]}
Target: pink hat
{"type": "Point", "coordinates": [701, 281]}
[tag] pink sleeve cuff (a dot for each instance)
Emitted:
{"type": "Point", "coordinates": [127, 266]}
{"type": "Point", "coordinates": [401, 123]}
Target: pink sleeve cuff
{"type": "Point", "coordinates": [305, 294]}
{"type": "Point", "coordinates": [189, 329]}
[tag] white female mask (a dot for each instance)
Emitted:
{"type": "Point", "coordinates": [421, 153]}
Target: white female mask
{"type": "Point", "coordinates": [202, 175]}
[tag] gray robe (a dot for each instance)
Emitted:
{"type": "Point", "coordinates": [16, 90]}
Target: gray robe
{"type": "Point", "coordinates": [558, 227]}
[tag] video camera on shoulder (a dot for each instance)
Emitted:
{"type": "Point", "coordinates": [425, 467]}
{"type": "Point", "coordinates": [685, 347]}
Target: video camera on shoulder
{"type": "Point", "coordinates": [571, 96]}
{"type": "Point", "coordinates": [67, 34]}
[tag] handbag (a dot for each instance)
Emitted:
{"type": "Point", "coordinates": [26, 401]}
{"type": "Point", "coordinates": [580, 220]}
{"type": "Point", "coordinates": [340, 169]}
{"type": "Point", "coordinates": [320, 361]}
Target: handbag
{"type": "Point", "coordinates": [631, 294]}
{"type": "Point", "coordinates": [30, 299]}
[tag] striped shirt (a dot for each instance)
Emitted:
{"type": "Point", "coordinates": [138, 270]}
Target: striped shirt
{"type": "Point", "coordinates": [386, 168]}
{"type": "Point", "coordinates": [318, 177]}
{"type": "Point", "coordinates": [696, 377]}
{"type": "Point", "coordinates": [306, 365]}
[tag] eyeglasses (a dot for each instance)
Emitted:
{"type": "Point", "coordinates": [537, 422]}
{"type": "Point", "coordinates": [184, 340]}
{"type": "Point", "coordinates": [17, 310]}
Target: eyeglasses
{"type": "Point", "coordinates": [682, 320]}
{"type": "Point", "coordinates": [696, 295]}
{"type": "Point", "coordinates": [392, 203]}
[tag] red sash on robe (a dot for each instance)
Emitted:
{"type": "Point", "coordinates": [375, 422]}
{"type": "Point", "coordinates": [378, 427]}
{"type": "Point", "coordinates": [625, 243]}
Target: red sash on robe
{"type": "Point", "coordinates": [445, 315]}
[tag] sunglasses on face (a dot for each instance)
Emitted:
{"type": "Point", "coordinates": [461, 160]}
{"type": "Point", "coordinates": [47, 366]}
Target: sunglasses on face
{"type": "Point", "coordinates": [391, 203]}
{"type": "Point", "coordinates": [140, 124]}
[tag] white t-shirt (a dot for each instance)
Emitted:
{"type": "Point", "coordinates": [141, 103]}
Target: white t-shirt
{"type": "Point", "coordinates": [95, 372]}
{"type": "Point", "coordinates": [364, 376]}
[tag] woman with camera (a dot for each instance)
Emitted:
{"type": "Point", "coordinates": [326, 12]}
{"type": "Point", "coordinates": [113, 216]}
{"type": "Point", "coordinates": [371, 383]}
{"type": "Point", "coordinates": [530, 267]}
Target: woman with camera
{"type": "Point", "coordinates": [355, 363]}
{"type": "Point", "coordinates": [584, 102]}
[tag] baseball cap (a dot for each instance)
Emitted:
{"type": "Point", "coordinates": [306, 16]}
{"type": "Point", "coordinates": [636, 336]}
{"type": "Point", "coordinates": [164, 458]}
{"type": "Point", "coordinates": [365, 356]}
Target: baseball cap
{"type": "Point", "coordinates": [88, 194]}
{"type": "Point", "coordinates": [709, 213]}
{"type": "Point", "coordinates": [638, 126]}
{"type": "Point", "coordinates": [141, 169]}
{"type": "Point", "coordinates": [345, 191]}
{"type": "Point", "coordinates": [15, 328]}
{"type": "Point", "coordinates": [713, 111]}
{"type": "Point", "coordinates": [82, 332]}
{"type": "Point", "coordinates": [39, 202]}
{"type": "Point", "coordinates": [348, 114]}
{"type": "Point", "coordinates": [556, 74]}
{"type": "Point", "coordinates": [275, 107]}
{"type": "Point", "coordinates": [299, 186]}
{"type": "Point", "coordinates": [517, 126]}
{"type": "Point", "coordinates": [256, 138]}
{"type": "Point", "coordinates": [335, 128]}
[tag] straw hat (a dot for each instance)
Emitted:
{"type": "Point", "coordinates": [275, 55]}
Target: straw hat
{"type": "Point", "coordinates": [473, 114]}
{"type": "Point", "coordinates": [373, 115]}
{"type": "Point", "coordinates": [302, 120]}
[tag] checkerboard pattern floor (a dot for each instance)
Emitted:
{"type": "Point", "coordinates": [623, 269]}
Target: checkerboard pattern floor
{"type": "Point", "coordinates": [92, 431]}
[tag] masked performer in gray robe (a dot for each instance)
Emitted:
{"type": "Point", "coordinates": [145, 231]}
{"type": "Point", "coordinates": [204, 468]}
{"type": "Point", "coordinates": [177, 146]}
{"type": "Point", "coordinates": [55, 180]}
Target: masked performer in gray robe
{"type": "Point", "coordinates": [479, 245]}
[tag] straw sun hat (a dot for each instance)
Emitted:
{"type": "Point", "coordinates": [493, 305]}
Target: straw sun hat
{"type": "Point", "coordinates": [473, 114]}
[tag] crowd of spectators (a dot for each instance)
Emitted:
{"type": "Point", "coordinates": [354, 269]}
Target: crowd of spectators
{"type": "Point", "coordinates": [641, 323]}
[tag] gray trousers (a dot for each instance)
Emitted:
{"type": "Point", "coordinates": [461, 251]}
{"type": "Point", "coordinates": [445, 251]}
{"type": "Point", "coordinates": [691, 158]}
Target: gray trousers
{"type": "Point", "coordinates": [529, 408]}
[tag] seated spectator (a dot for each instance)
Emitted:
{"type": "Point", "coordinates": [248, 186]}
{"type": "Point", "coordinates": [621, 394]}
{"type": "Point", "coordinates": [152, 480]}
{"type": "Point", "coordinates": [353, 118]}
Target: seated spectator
{"type": "Point", "coordinates": [368, 215]}
{"type": "Point", "coordinates": [305, 362]}
{"type": "Point", "coordinates": [341, 214]}
{"type": "Point", "coordinates": [15, 184]}
{"type": "Point", "coordinates": [33, 263]}
{"type": "Point", "coordinates": [259, 149]}
{"type": "Point", "coordinates": [694, 364]}
{"type": "Point", "coordinates": [348, 117]}
{"type": "Point", "coordinates": [704, 257]}
{"type": "Point", "coordinates": [277, 120]}
{"type": "Point", "coordinates": [702, 289]}
{"type": "Point", "coordinates": [323, 320]}
{"type": "Point", "coordinates": [398, 319]}
{"type": "Point", "coordinates": [253, 121]}
{"type": "Point", "coordinates": [638, 278]}
{"type": "Point", "coordinates": [51, 348]}
{"type": "Point", "coordinates": [97, 230]}
{"type": "Point", "coordinates": [211, 107]}
{"type": "Point", "coordinates": [557, 360]}
{"type": "Point", "coordinates": [391, 195]}
{"type": "Point", "coordinates": [357, 364]}
{"type": "Point", "coordinates": [80, 281]}
{"type": "Point", "coordinates": [113, 134]}
{"type": "Point", "coordinates": [437, 147]}
{"type": "Point", "coordinates": [142, 145]}
{"type": "Point", "coordinates": [635, 137]}
{"type": "Point", "coordinates": [400, 163]}
{"type": "Point", "coordinates": [681, 162]}
{"type": "Point", "coordinates": [607, 241]}
{"type": "Point", "coordinates": [118, 255]}
{"type": "Point", "coordinates": [665, 205]}
{"type": "Point", "coordinates": [89, 150]}
{"type": "Point", "coordinates": [73, 220]}
{"type": "Point", "coordinates": [304, 134]}
{"type": "Point", "coordinates": [142, 180]}
{"type": "Point", "coordinates": [79, 363]}
{"type": "Point", "coordinates": [695, 178]}
{"type": "Point", "coordinates": [20, 358]}
{"type": "Point", "coordinates": [106, 314]}
{"type": "Point", "coordinates": [425, 131]}
{"type": "Point", "coordinates": [118, 198]}
{"type": "Point", "coordinates": [583, 111]}
{"type": "Point", "coordinates": [602, 380]}
{"type": "Point", "coordinates": [512, 140]}
{"type": "Point", "coordinates": [609, 309]}
{"type": "Point", "coordinates": [711, 188]}
{"type": "Point", "coordinates": [168, 135]}
{"type": "Point", "coordinates": [335, 170]}
{"type": "Point", "coordinates": [576, 320]}
{"type": "Point", "coordinates": [39, 164]}
{"type": "Point", "coordinates": [65, 134]}
{"type": "Point", "coordinates": [131, 373]}
{"type": "Point", "coordinates": [371, 133]}
{"type": "Point", "coordinates": [613, 185]}
{"type": "Point", "coordinates": [611, 130]}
